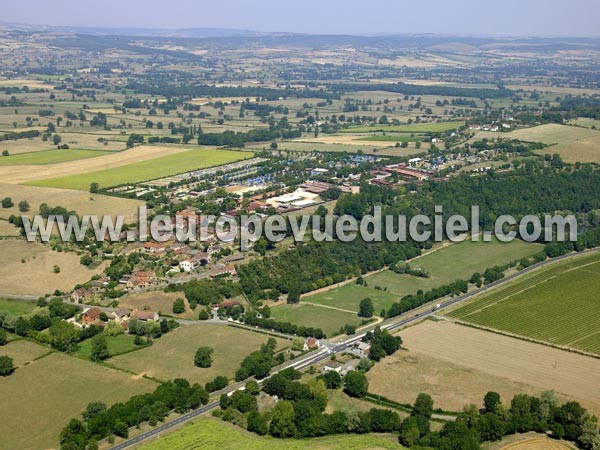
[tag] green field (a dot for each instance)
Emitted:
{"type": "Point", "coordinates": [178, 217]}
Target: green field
{"type": "Point", "coordinates": [117, 345]}
{"type": "Point", "coordinates": [349, 296]}
{"type": "Point", "coordinates": [49, 157]}
{"type": "Point", "coordinates": [172, 356]}
{"type": "Point", "coordinates": [40, 398]}
{"type": "Point", "coordinates": [329, 320]}
{"type": "Point", "coordinates": [16, 307]}
{"type": "Point", "coordinates": [457, 261]}
{"type": "Point", "coordinates": [391, 138]}
{"type": "Point", "coordinates": [147, 170]}
{"type": "Point", "coordinates": [559, 304]}
{"type": "Point", "coordinates": [211, 434]}
{"type": "Point", "coordinates": [412, 128]}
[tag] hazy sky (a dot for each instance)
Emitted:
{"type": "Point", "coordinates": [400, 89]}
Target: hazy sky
{"type": "Point", "coordinates": [464, 17]}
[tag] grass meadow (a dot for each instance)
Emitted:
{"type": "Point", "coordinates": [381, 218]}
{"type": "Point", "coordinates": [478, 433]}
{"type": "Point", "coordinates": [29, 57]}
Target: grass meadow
{"type": "Point", "coordinates": [444, 265]}
{"type": "Point", "coordinates": [117, 345]}
{"type": "Point", "coordinates": [329, 320]}
{"type": "Point", "coordinates": [49, 157]}
{"type": "Point", "coordinates": [211, 433]}
{"type": "Point", "coordinates": [16, 307]}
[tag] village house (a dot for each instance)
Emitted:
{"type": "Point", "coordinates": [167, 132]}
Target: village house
{"type": "Point", "coordinates": [100, 282]}
{"type": "Point", "coordinates": [229, 269]}
{"type": "Point", "coordinates": [120, 315]}
{"type": "Point", "coordinates": [90, 316]}
{"type": "Point", "coordinates": [331, 366]}
{"type": "Point", "coordinates": [82, 295]}
{"type": "Point", "coordinates": [153, 248]}
{"type": "Point", "coordinates": [145, 316]}
{"type": "Point", "coordinates": [311, 344]}
{"type": "Point", "coordinates": [140, 279]}
{"type": "Point", "coordinates": [188, 265]}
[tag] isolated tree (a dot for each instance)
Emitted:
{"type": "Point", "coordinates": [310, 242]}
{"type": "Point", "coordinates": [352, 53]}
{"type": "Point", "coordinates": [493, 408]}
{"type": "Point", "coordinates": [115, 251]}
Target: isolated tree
{"type": "Point", "coordinates": [56, 139]}
{"type": "Point", "coordinates": [366, 308]}
{"type": "Point", "coordinates": [6, 366]}
{"type": "Point", "coordinates": [203, 357]}
{"type": "Point", "coordinates": [178, 306]}
{"type": "Point", "coordinates": [99, 348]}
{"type": "Point", "coordinates": [24, 206]}
{"type": "Point", "coordinates": [356, 384]}
{"type": "Point", "coordinates": [94, 188]}
{"type": "Point", "coordinates": [7, 202]}
{"type": "Point", "coordinates": [5, 153]}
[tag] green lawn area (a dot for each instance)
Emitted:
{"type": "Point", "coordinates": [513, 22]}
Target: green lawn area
{"type": "Point", "coordinates": [16, 307]}
{"type": "Point", "coordinates": [559, 304]}
{"type": "Point", "coordinates": [349, 296]}
{"type": "Point", "coordinates": [456, 261]}
{"type": "Point", "coordinates": [117, 345]}
{"type": "Point", "coordinates": [49, 157]}
{"type": "Point", "coordinates": [212, 433]}
{"type": "Point", "coordinates": [412, 128]}
{"type": "Point", "coordinates": [148, 170]}
{"type": "Point", "coordinates": [391, 138]}
{"type": "Point", "coordinates": [329, 320]}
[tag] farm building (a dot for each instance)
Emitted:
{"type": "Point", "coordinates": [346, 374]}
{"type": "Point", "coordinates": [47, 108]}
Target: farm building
{"type": "Point", "coordinates": [145, 316]}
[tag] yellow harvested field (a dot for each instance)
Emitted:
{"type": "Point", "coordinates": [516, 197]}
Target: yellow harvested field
{"type": "Point", "coordinates": [32, 84]}
{"type": "Point", "coordinates": [161, 302]}
{"type": "Point", "coordinates": [23, 174]}
{"type": "Point", "coordinates": [572, 143]}
{"type": "Point", "coordinates": [456, 362]}
{"type": "Point", "coordinates": [23, 352]}
{"type": "Point", "coordinates": [35, 276]}
{"type": "Point", "coordinates": [79, 201]}
{"type": "Point", "coordinates": [40, 398]}
{"type": "Point", "coordinates": [344, 139]}
{"type": "Point", "coordinates": [8, 229]}
{"type": "Point", "coordinates": [25, 146]}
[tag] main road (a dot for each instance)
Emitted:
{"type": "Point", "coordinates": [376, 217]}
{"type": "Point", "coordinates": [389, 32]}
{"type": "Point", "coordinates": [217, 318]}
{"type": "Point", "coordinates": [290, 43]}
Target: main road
{"type": "Point", "coordinates": [329, 348]}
